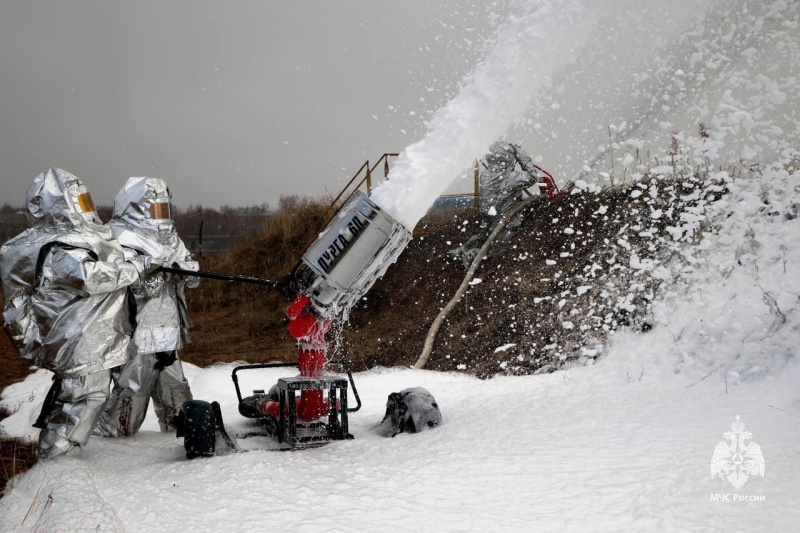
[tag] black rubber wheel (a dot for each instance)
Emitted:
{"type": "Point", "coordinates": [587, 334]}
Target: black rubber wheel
{"type": "Point", "coordinates": [199, 426]}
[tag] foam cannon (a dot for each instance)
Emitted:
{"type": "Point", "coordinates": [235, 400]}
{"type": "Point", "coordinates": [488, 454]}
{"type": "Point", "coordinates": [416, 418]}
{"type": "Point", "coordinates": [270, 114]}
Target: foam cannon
{"type": "Point", "coordinates": [354, 250]}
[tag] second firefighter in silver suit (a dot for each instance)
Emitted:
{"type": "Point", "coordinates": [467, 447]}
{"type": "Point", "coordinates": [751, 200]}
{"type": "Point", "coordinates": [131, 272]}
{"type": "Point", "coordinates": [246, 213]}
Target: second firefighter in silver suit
{"type": "Point", "coordinates": [143, 225]}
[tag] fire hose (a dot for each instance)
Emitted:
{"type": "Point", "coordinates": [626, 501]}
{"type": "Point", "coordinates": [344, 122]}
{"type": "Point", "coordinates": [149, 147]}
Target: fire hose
{"type": "Point", "coordinates": [434, 330]}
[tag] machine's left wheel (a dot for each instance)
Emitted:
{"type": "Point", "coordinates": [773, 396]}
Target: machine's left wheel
{"type": "Point", "coordinates": [198, 428]}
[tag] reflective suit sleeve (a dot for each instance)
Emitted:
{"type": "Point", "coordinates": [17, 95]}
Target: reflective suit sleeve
{"type": "Point", "coordinates": [180, 257]}
{"type": "Point", "coordinates": [143, 262]}
{"type": "Point", "coordinates": [526, 163]}
{"type": "Point", "coordinates": [191, 281]}
{"type": "Point", "coordinates": [78, 269]}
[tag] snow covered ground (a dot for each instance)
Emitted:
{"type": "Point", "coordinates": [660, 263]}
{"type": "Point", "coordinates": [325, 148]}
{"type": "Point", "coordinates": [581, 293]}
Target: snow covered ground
{"type": "Point", "coordinates": [624, 444]}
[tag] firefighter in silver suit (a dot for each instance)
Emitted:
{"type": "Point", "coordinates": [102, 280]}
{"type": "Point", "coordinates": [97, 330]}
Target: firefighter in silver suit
{"type": "Point", "coordinates": [501, 187]}
{"type": "Point", "coordinates": [65, 282]}
{"type": "Point", "coordinates": [143, 224]}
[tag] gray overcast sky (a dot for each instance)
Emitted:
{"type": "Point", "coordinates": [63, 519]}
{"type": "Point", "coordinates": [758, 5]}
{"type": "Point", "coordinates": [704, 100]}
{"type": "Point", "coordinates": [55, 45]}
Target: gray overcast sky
{"type": "Point", "coordinates": [231, 102]}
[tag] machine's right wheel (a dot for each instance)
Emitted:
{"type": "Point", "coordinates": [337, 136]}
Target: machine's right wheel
{"type": "Point", "coordinates": [199, 426]}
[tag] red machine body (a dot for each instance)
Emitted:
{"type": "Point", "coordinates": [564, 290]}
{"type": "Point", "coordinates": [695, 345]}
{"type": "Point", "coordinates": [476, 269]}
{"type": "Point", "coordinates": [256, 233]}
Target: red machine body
{"type": "Point", "coordinates": [309, 331]}
{"type": "Point", "coordinates": [547, 184]}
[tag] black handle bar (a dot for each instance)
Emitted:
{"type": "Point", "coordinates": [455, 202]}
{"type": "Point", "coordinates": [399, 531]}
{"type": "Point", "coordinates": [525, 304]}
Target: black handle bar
{"type": "Point", "coordinates": [253, 366]}
{"type": "Point", "coordinates": [223, 277]}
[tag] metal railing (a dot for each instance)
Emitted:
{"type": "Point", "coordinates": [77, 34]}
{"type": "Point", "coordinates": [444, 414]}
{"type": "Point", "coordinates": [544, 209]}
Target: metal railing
{"type": "Point", "coordinates": [367, 170]}
{"type": "Point", "coordinates": [365, 173]}
{"type": "Point", "coordinates": [475, 194]}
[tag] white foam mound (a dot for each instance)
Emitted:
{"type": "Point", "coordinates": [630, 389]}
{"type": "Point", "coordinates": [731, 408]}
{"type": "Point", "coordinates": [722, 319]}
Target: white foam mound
{"type": "Point", "coordinates": [58, 495]}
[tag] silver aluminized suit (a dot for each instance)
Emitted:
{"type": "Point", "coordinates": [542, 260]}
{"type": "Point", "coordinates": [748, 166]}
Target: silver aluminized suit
{"type": "Point", "coordinates": [143, 225]}
{"type": "Point", "coordinates": [66, 308]}
{"type": "Point", "coordinates": [501, 187]}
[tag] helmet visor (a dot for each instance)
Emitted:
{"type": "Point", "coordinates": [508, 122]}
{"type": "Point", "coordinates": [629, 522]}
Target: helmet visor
{"type": "Point", "coordinates": [86, 203]}
{"type": "Point", "coordinates": [160, 211]}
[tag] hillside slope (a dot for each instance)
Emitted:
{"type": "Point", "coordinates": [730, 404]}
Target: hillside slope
{"type": "Point", "coordinates": [575, 270]}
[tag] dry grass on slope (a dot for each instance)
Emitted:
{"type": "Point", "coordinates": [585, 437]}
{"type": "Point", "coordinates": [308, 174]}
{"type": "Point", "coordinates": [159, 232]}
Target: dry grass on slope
{"type": "Point", "coordinates": [574, 271]}
{"type": "Point", "coordinates": [240, 322]}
